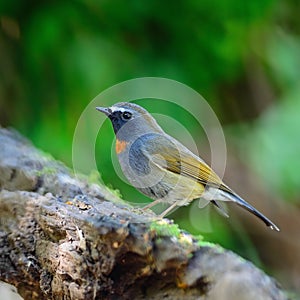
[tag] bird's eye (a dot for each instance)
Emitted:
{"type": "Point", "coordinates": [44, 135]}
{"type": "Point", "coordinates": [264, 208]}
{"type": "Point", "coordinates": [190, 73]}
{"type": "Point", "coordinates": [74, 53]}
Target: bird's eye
{"type": "Point", "coordinates": [126, 115]}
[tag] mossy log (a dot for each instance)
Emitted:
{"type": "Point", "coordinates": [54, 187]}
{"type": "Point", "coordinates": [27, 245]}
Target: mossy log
{"type": "Point", "coordinates": [65, 238]}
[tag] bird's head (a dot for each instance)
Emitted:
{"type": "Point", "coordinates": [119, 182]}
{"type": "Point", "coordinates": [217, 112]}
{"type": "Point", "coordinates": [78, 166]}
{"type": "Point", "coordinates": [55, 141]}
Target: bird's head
{"type": "Point", "coordinates": [130, 120]}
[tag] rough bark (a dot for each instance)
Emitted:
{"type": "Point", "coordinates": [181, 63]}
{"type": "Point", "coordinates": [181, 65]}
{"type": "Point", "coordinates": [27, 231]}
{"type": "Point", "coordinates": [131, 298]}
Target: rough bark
{"type": "Point", "coordinates": [64, 238]}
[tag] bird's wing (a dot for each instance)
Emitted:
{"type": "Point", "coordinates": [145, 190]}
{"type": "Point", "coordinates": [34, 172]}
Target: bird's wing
{"type": "Point", "coordinates": [167, 153]}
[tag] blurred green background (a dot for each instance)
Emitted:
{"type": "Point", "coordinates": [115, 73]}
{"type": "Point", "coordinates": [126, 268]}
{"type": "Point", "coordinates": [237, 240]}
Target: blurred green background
{"type": "Point", "coordinates": [243, 57]}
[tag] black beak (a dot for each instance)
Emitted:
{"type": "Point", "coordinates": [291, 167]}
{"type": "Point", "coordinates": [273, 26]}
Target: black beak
{"type": "Point", "coordinates": [106, 110]}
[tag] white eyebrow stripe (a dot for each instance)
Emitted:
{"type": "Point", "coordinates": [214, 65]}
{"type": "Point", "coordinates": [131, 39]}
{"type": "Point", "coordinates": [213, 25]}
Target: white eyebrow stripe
{"type": "Point", "coordinates": [115, 108]}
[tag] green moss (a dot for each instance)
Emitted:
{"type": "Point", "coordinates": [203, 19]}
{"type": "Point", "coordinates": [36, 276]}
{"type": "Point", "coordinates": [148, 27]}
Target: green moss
{"type": "Point", "coordinates": [114, 191]}
{"type": "Point", "coordinates": [201, 243]}
{"type": "Point", "coordinates": [199, 239]}
{"type": "Point", "coordinates": [206, 244]}
{"type": "Point", "coordinates": [164, 228]}
{"type": "Point", "coordinates": [46, 171]}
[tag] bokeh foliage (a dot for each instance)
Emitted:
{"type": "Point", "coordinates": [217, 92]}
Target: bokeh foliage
{"type": "Point", "coordinates": [242, 56]}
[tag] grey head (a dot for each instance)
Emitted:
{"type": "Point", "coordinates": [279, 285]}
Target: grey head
{"type": "Point", "coordinates": [130, 120]}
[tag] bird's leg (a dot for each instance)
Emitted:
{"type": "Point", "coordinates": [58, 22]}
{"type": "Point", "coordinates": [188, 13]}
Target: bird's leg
{"type": "Point", "coordinates": [220, 209]}
{"type": "Point", "coordinates": [151, 204]}
{"type": "Point", "coordinates": [166, 211]}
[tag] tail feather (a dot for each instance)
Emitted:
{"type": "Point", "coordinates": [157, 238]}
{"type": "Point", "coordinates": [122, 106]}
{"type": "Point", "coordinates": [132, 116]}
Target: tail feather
{"type": "Point", "coordinates": [241, 202]}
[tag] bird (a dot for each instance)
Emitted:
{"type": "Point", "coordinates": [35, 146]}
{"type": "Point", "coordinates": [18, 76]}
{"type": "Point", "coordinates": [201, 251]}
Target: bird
{"type": "Point", "coordinates": [162, 168]}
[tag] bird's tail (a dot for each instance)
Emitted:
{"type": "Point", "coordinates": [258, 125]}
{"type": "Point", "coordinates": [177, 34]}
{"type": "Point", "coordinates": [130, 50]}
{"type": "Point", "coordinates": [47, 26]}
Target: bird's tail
{"type": "Point", "coordinates": [241, 202]}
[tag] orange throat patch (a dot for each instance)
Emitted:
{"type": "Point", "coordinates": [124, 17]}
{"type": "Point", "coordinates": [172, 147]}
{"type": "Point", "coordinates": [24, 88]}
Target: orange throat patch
{"type": "Point", "coordinates": [120, 146]}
